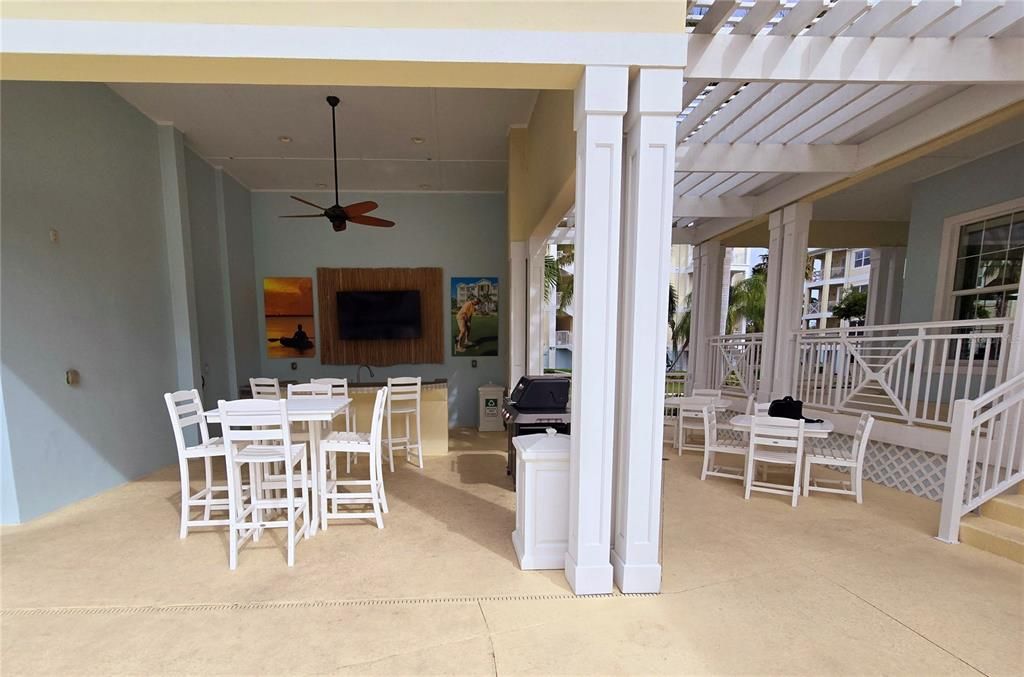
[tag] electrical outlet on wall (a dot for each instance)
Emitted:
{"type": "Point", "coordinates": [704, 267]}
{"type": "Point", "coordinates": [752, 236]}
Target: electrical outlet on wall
{"type": "Point", "coordinates": [474, 364]}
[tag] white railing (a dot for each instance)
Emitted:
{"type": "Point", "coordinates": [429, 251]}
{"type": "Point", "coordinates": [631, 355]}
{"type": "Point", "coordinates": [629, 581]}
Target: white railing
{"type": "Point", "coordinates": [986, 452]}
{"type": "Point", "coordinates": [563, 338]}
{"type": "Point", "coordinates": [736, 362]}
{"type": "Point", "coordinates": [906, 372]}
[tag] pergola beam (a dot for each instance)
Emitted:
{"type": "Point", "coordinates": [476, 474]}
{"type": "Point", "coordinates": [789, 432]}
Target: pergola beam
{"type": "Point", "coordinates": [715, 207]}
{"type": "Point", "coordinates": [767, 157]}
{"type": "Point", "coordinates": [807, 58]}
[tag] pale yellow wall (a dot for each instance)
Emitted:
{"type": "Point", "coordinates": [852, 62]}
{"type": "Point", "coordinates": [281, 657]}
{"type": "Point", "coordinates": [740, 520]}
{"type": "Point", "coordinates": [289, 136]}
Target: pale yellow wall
{"type": "Point", "coordinates": [832, 234]}
{"type": "Point", "coordinates": [517, 191]}
{"type": "Point", "coordinates": [91, 68]}
{"type": "Point", "coordinates": [537, 15]}
{"type": "Point", "coordinates": [551, 160]}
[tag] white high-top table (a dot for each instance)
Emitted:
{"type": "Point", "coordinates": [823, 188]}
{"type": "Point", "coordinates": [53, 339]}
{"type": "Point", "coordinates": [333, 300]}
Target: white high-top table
{"type": "Point", "coordinates": [312, 410]}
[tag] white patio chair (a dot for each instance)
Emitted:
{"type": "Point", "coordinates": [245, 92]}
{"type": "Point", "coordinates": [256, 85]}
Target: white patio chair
{"type": "Point", "coordinates": [186, 410]}
{"type": "Point", "coordinates": [778, 441]}
{"type": "Point", "coordinates": [713, 446]}
{"type": "Point", "coordinates": [356, 443]}
{"type": "Point", "coordinates": [674, 387]}
{"type": "Point", "coordinates": [257, 435]}
{"type": "Point", "coordinates": [265, 388]}
{"type": "Point", "coordinates": [404, 400]}
{"type": "Point", "coordinates": [691, 417]}
{"type": "Point", "coordinates": [854, 462]}
{"type": "Point", "coordinates": [339, 388]}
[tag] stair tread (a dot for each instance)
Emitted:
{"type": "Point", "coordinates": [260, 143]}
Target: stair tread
{"type": "Point", "coordinates": [994, 528]}
{"type": "Point", "coordinates": [1016, 500]}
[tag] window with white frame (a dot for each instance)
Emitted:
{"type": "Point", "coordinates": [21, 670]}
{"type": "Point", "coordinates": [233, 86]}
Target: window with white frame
{"type": "Point", "coordinates": [988, 267]}
{"type": "Point", "coordinates": [861, 258]}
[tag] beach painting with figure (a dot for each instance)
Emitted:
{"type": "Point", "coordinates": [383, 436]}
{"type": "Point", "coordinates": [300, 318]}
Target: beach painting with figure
{"type": "Point", "coordinates": [288, 311]}
{"type": "Point", "coordinates": [474, 308]}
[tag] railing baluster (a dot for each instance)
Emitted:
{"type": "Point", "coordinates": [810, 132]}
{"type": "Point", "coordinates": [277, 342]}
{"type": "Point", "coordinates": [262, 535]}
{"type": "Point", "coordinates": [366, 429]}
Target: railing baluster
{"type": "Point", "coordinates": [915, 385]}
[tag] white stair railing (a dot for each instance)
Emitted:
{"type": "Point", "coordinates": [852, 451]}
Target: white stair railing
{"type": "Point", "coordinates": [986, 452]}
{"type": "Point", "coordinates": [736, 362]}
{"type": "Point", "coordinates": [905, 372]}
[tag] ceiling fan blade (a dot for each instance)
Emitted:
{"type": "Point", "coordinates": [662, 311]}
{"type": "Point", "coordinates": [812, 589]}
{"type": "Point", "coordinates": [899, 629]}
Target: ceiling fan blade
{"type": "Point", "coordinates": [323, 209]}
{"type": "Point", "coordinates": [301, 216]}
{"type": "Point", "coordinates": [372, 221]}
{"type": "Point", "coordinates": [360, 208]}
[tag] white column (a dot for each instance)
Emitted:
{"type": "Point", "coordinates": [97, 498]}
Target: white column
{"type": "Point", "coordinates": [706, 314]}
{"type": "Point", "coordinates": [1015, 359]}
{"type": "Point", "coordinates": [787, 259]}
{"type": "Point", "coordinates": [885, 288]}
{"type": "Point", "coordinates": [518, 318]}
{"type": "Point", "coordinates": [535, 340]}
{"type": "Point", "coordinates": [599, 106]}
{"type": "Point", "coordinates": [655, 99]}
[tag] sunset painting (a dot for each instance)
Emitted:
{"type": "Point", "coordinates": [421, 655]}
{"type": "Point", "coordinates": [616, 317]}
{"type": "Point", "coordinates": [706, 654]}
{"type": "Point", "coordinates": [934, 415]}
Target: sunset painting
{"type": "Point", "coordinates": [288, 311]}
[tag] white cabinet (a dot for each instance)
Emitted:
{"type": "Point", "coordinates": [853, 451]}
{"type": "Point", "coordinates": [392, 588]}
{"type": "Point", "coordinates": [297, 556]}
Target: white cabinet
{"type": "Point", "coordinates": [541, 538]}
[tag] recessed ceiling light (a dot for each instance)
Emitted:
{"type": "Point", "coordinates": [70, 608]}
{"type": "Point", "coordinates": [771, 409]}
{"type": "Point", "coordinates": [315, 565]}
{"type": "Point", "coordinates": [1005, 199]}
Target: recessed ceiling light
{"type": "Point", "coordinates": [424, 186]}
{"type": "Point", "coordinates": [321, 185]}
{"type": "Point", "coordinates": [418, 139]}
{"type": "Point", "coordinates": [284, 139]}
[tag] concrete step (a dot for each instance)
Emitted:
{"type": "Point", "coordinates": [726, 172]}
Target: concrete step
{"type": "Point", "coordinates": [993, 536]}
{"type": "Point", "coordinates": [1008, 508]}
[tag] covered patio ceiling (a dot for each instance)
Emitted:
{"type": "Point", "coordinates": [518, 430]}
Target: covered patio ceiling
{"type": "Point", "coordinates": [790, 100]}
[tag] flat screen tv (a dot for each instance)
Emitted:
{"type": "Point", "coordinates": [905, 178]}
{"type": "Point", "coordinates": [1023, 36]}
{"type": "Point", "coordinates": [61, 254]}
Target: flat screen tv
{"type": "Point", "coordinates": [375, 315]}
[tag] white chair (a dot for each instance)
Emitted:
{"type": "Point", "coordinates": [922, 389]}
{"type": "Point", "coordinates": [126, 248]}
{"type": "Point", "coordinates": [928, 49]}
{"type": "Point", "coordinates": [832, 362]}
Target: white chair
{"type": "Point", "coordinates": [186, 410]}
{"type": "Point", "coordinates": [339, 388]}
{"type": "Point", "coordinates": [265, 388]}
{"type": "Point", "coordinates": [356, 443]}
{"type": "Point", "coordinates": [761, 409]}
{"type": "Point", "coordinates": [306, 390]}
{"type": "Point", "coordinates": [779, 441]}
{"type": "Point", "coordinates": [854, 462]}
{"type": "Point", "coordinates": [404, 400]}
{"type": "Point", "coordinates": [691, 417]}
{"type": "Point", "coordinates": [713, 446]}
{"type": "Point", "coordinates": [706, 392]}
{"type": "Point", "coordinates": [257, 435]}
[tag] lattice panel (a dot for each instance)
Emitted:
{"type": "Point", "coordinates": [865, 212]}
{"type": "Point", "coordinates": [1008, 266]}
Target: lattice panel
{"type": "Point", "coordinates": [917, 472]}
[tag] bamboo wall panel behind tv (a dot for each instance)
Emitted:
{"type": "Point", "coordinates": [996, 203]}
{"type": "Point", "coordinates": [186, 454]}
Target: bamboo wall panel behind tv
{"type": "Point", "coordinates": [427, 349]}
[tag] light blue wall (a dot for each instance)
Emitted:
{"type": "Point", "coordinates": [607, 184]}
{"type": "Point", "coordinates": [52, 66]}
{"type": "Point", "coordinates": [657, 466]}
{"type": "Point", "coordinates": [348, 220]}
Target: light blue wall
{"type": "Point", "coordinates": [79, 159]}
{"type": "Point", "coordinates": [207, 275]}
{"type": "Point", "coordinates": [242, 279]}
{"type": "Point", "coordinates": [990, 180]}
{"type": "Point", "coordinates": [462, 233]}
{"type": "Point", "coordinates": [9, 513]}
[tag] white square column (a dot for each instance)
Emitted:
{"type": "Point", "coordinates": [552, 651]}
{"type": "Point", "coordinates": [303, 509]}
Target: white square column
{"type": "Point", "coordinates": [536, 308]}
{"type": "Point", "coordinates": [655, 99]}
{"type": "Point", "coordinates": [518, 317]}
{"type": "Point", "coordinates": [600, 104]}
{"type": "Point", "coordinates": [706, 313]}
{"type": "Point", "coordinates": [885, 288]}
{"type": "Point", "coordinates": [788, 230]}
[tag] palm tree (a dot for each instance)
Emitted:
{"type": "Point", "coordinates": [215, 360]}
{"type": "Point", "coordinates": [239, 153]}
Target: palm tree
{"type": "Point", "coordinates": [555, 277]}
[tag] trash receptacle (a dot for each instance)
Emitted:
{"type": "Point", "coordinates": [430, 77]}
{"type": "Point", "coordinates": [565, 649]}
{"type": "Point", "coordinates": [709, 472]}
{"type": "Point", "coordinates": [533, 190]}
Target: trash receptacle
{"type": "Point", "coordinates": [490, 408]}
{"type": "Point", "coordinates": [541, 538]}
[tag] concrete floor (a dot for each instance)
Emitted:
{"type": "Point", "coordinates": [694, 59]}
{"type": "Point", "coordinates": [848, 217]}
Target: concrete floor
{"type": "Point", "coordinates": [105, 586]}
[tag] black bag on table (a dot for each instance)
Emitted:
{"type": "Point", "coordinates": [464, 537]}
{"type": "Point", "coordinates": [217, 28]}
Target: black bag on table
{"type": "Point", "coordinates": [787, 407]}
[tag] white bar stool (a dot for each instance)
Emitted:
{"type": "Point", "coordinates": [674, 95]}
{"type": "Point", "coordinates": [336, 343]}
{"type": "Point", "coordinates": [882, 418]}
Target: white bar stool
{"type": "Point", "coordinates": [265, 388]}
{"type": "Point", "coordinates": [404, 400]}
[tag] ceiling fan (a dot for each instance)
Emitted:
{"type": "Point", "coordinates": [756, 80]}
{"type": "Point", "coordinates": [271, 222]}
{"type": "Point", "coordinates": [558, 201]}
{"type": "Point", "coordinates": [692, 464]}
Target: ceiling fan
{"type": "Point", "coordinates": [340, 216]}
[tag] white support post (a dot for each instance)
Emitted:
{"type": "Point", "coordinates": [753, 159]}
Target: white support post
{"type": "Point", "coordinates": [1015, 352]}
{"type": "Point", "coordinates": [518, 322]}
{"type": "Point", "coordinates": [706, 315]}
{"type": "Point", "coordinates": [536, 342]}
{"type": "Point", "coordinates": [655, 99]}
{"type": "Point", "coordinates": [787, 259]}
{"type": "Point", "coordinates": [956, 472]}
{"type": "Point", "coordinates": [885, 288]}
{"type": "Point", "coordinates": [599, 106]}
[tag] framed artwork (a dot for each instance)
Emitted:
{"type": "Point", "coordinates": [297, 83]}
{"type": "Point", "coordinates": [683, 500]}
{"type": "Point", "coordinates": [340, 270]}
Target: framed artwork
{"type": "Point", "coordinates": [474, 312]}
{"type": "Point", "coordinates": [288, 313]}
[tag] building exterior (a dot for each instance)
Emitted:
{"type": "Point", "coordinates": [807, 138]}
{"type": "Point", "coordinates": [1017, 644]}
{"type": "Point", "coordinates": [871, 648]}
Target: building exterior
{"type": "Point", "coordinates": [833, 272]}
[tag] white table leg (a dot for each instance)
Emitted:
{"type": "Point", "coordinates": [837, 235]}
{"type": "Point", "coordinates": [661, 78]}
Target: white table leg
{"type": "Point", "coordinates": [314, 469]}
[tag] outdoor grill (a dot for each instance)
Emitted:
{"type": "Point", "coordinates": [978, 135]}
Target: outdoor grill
{"type": "Point", "coordinates": [535, 404]}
